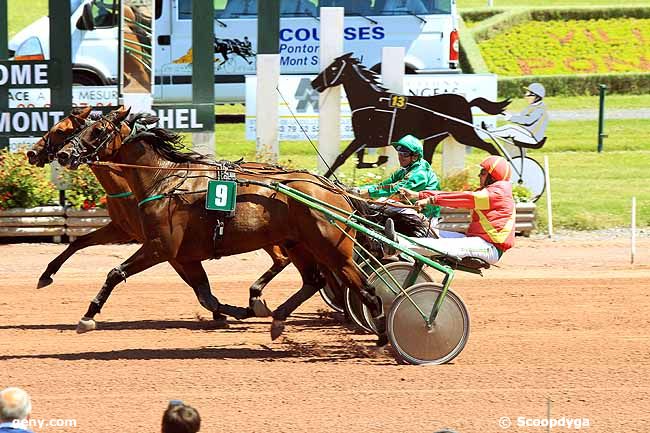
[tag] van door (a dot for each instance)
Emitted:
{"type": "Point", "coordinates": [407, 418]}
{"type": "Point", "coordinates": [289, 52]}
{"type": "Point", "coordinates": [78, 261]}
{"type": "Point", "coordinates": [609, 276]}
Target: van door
{"type": "Point", "coordinates": [93, 41]}
{"type": "Point", "coordinates": [163, 47]}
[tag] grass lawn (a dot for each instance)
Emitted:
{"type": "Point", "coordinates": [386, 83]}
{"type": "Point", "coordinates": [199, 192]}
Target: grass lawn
{"type": "Point", "coordinates": [587, 102]}
{"type": "Point", "coordinates": [22, 13]}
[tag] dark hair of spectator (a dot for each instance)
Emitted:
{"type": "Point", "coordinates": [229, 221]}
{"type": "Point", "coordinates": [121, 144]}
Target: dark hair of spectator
{"type": "Point", "coordinates": [181, 419]}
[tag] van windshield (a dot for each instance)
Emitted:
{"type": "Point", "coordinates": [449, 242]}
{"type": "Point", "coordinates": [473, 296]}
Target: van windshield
{"type": "Point", "coordinates": [306, 8]}
{"type": "Point", "coordinates": [74, 5]}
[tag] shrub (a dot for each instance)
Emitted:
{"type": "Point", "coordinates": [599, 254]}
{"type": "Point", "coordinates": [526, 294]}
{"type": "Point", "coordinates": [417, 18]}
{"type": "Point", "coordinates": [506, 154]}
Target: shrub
{"type": "Point", "coordinates": [461, 180]}
{"type": "Point", "coordinates": [521, 194]}
{"type": "Point", "coordinates": [577, 85]}
{"type": "Point", "coordinates": [22, 184]}
{"type": "Point", "coordinates": [83, 189]}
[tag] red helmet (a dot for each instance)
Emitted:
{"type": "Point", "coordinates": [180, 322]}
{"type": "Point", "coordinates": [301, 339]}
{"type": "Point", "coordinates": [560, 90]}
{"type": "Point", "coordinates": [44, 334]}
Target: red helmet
{"type": "Point", "coordinates": [497, 167]}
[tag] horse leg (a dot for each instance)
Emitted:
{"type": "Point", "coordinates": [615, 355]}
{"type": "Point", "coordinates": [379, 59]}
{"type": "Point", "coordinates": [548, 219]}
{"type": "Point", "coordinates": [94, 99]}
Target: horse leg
{"type": "Point", "coordinates": [350, 276]}
{"type": "Point", "coordinates": [142, 259]}
{"type": "Point", "coordinates": [381, 160]}
{"type": "Point", "coordinates": [219, 319]}
{"type": "Point", "coordinates": [354, 146]}
{"type": "Point", "coordinates": [198, 279]}
{"type": "Point", "coordinates": [430, 146]}
{"type": "Point", "coordinates": [280, 261]}
{"type": "Point", "coordinates": [312, 282]}
{"type": "Point", "coordinates": [109, 234]}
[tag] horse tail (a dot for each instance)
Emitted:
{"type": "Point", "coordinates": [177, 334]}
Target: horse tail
{"type": "Point", "coordinates": [490, 107]}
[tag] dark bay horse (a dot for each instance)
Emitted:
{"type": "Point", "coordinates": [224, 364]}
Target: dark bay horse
{"type": "Point", "coordinates": [177, 227]}
{"type": "Point", "coordinates": [380, 117]}
{"type": "Point", "coordinates": [122, 208]}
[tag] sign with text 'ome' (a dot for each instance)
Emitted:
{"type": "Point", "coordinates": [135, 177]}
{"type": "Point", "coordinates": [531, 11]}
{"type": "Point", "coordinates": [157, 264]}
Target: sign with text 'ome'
{"type": "Point", "coordinates": [26, 122]}
{"type": "Point", "coordinates": [221, 195]}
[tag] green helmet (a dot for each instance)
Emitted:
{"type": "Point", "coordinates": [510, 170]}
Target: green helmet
{"type": "Point", "coordinates": [409, 142]}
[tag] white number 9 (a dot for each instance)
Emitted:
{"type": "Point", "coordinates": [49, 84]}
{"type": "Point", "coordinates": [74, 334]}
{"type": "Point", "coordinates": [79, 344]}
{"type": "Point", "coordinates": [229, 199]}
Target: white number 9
{"type": "Point", "coordinates": [221, 195]}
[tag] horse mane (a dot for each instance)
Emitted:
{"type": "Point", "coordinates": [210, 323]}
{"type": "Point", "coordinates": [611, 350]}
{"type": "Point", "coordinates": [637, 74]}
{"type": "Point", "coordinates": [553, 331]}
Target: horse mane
{"type": "Point", "coordinates": [371, 77]}
{"type": "Point", "coordinates": [169, 146]}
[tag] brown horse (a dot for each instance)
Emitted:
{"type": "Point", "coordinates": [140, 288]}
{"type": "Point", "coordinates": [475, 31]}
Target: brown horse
{"type": "Point", "coordinates": [171, 194]}
{"type": "Point", "coordinates": [125, 218]}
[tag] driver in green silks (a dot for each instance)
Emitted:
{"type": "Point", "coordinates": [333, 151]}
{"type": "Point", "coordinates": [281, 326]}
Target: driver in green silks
{"type": "Point", "coordinates": [414, 173]}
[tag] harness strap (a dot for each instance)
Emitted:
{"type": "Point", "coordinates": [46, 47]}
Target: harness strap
{"type": "Point", "coordinates": [152, 198]}
{"type": "Point", "coordinates": [120, 194]}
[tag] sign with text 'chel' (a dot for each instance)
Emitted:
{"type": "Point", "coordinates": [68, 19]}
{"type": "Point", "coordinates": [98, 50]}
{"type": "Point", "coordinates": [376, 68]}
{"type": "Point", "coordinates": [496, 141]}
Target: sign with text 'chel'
{"type": "Point", "coordinates": [300, 111]}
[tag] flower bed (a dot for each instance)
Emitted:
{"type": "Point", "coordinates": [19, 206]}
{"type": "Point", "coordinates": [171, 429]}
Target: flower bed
{"type": "Point", "coordinates": [594, 46]}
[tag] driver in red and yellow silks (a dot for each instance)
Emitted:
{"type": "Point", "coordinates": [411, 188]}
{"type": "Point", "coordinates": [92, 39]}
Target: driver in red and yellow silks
{"type": "Point", "coordinates": [491, 231]}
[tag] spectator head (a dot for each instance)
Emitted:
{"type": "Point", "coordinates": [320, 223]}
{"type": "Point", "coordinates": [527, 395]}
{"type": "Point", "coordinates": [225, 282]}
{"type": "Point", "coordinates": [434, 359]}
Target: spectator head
{"type": "Point", "coordinates": [15, 405]}
{"type": "Point", "coordinates": [180, 418]}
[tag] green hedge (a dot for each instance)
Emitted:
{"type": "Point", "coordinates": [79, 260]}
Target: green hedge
{"type": "Point", "coordinates": [589, 13]}
{"type": "Point", "coordinates": [471, 60]}
{"type": "Point", "coordinates": [575, 85]}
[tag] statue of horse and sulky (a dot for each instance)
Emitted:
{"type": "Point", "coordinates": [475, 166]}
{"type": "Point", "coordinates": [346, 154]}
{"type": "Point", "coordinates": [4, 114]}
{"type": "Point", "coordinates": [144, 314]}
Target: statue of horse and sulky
{"type": "Point", "coordinates": [380, 117]}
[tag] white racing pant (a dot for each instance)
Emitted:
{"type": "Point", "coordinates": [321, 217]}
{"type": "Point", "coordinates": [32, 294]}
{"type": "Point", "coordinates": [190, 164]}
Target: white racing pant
{"type": "Point", "coordinates": [516, 132]}
{"type": "Point", "coordinates": [472, 246]}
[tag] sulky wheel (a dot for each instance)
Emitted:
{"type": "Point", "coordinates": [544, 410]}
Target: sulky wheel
{"type": "Point", "coordinates": [532, 175]}
{"type": "Point", "coordinates": [354, 307]}
{"type": "Point", "coordinates": [332, 299]}
{"type": "Point", "coordinates": [387, 292]}
{"type": "Point", "coordinates": [416, 343]}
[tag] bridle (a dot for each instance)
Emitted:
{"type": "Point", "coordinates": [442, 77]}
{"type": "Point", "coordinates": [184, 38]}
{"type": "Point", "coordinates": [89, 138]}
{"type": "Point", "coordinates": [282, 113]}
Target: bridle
{"type": "Point", "coordinates": [336, 77]}
{"type": "Point", "coordinates": [50, 147]}
{"type": "Point", "coordinates": [79, 151]}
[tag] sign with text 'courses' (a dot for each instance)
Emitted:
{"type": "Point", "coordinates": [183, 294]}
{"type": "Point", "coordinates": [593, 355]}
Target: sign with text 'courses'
{"type": "Point", "coordinates": [302, 101]}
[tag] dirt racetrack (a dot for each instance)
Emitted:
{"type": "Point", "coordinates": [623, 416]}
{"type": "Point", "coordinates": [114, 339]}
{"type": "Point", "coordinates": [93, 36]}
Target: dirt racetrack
{"type": "Point", "coordinates": [565, 319]}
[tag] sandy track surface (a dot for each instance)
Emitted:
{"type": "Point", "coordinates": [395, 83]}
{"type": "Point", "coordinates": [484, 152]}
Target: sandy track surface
{"type": "Point", "coordinates": [560, 320]}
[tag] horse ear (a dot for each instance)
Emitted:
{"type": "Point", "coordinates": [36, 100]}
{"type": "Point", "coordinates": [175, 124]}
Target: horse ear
{"type": "Point", "coordinates": [121, 114]}
{"type": "Point", "coordinates": [85, 112]}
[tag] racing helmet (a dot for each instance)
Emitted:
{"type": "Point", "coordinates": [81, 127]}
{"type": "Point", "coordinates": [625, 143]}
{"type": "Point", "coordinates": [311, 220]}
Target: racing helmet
{"type": "Point", "coordinates": [409, 143]}
{"type": "Point", "coordinates": [497, 167]}
{"type": "Point", "coordinates": [537, 89]}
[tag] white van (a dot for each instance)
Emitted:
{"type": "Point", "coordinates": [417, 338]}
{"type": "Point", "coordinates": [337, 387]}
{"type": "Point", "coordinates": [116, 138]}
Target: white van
{"type": "Point", "coordinates": [426, 28]}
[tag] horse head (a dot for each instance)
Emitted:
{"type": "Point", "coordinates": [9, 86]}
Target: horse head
{"type": "Point", "coordinates": [99, 141]}
{"type": "Point", "coordinates": [333, 74]}
{"type": "Point", "coordinates": [44, 150]}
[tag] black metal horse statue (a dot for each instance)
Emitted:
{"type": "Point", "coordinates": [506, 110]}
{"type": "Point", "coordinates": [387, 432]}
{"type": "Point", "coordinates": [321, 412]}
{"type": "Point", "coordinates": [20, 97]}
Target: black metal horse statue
{"type": "Point", "coordinates": [380, 117]}
{"type": "Point", "coordinates": [243, 49]}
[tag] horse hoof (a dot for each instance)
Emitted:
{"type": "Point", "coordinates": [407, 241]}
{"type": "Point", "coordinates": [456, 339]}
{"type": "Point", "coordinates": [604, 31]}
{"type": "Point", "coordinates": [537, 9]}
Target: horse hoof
{"type": "Point", "coordinates": [276, 328]}
{"type": "Point", "coordinates": [86, 324]}
{"type": "Point", "coordinates": [260, 308]}
{"type": "Point", "coordinates": [382, 340]}
{"type": "Point", "coordinates": [44, 282]}
{"type": "Point", "coordinates": [219, 321]}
